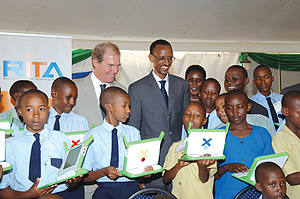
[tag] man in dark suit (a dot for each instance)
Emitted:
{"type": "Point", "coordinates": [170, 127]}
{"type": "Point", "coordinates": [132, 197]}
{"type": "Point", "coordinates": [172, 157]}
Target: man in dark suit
{"type": "Point", "coordinates": [236, 77]}
{"type": "Point", "coordinates": [158, 102]}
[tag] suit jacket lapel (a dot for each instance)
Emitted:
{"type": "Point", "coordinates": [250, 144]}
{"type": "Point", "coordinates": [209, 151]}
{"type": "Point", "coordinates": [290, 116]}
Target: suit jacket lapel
{"type": "Point", "coordinates": [91, 95]}
{"type": "Point", "coordinates": [172, 92]}
{"type": "Point", "coordinates": [155, 91]}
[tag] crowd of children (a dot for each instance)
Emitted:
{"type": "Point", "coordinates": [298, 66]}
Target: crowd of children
{"type": "Point", "coordinates": [37, 151]}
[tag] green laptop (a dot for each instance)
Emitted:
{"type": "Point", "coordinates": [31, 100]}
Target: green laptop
{"type": "Point", "coordinates": [5, 165]}
{"type": "Point", "coordinates": [141, 154]}
{"type": "Point", "coordinates": [205, 141]}
{"type": "Point", "coordinates": [71, 166]}
{"type": "Point", "coordinates": [6, 125]}
{"type": "Point", "coordinates": [249, 177]}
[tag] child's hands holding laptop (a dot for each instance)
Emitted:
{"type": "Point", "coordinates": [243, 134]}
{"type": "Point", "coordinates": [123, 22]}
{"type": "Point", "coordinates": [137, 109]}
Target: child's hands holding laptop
{"type": "Point", "coordinates": [236, 167]}
{"type": "Point", "coordinates": [34, 192]}
{"type": "Point", "coordinates": [206, 163]}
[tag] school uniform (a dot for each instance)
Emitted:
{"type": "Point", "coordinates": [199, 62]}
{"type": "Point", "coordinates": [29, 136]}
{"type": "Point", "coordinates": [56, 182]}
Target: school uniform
{"type": "Point", "coordinates": [99, 156]}
{"type": "Point", "coordinates": [286, 141]}
{"type": "Point", "coordinates": [15, 117]}
{"type": "Point", "coordinates": [18, 153]}
{"type": "Point", "coordinates": [213, 119]}
{"type": "Point", "coordinates": [262, 100]}
{"type": "Point", "coordinates": [241, 150]}
{"type": "Point", "coordinates": [69, 122]}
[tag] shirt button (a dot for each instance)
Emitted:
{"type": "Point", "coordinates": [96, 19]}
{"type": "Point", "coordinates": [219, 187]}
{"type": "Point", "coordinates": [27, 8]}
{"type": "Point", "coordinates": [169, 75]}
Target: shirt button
{"type": "Point", "coordinates": [180, 183]}
{"type": "Point", "coordinates": [242, 160]}
{"type": "Point", "coordinates": [45, 164]}
{"type": "Point", "coordinates": [242, 142]}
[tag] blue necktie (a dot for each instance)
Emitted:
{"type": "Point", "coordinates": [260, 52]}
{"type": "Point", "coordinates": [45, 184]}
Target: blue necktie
{"type": "Point", "coordinates": [102, 86]}
{"type": "Point", "coordinates": [114, 161]}
{"type": "Point", "coordinates": [273, 113]}
{"type": "Point", "coordinates": [206, 124]}
{"type": "Point", "coordinates": [35, 159]}
{"type": "Point", "coordinates": [163, 90]}
{"type": "Point", "coordinates": [56, 124]}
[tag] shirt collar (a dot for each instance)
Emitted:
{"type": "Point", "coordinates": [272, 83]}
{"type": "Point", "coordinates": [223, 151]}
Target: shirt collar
{"type": "Point", "coordinates": [53, 113]}
{"type": "Point", "coordinates": [43, 133]}
{"type": "Point", "coordinates": [110, 127]}
{"type": "Point", "coordinates": [261, 95]}
{"type": "Point", "coordinates": [157, 79]}
{"type": "Point", "coordinates": [95, 80]}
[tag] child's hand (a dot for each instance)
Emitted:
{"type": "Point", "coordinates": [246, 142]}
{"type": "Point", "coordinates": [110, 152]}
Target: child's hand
{"type": "Point", "coordinates": [182, 163]}
{"type": "Point", "coordinates": [237, 167]}
{"type": "Point", "coordinates": [74, 181]}
{"type": "Point", "coordinates": [148, 168]}
{"type": "Point", "coordinates": [34, 192]}
{"type": "Point", "coordinates": [112, 173]}
{"type": "Point", "coordinates": [205, 163]}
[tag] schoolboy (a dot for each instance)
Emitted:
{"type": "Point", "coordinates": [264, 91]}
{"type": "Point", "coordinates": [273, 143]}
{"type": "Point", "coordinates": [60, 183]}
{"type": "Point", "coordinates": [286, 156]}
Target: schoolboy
{"type": "Point", "coordinates": [236, 77]}
{"type": "Point", "coordinates": [37, 151]}
{"type": "Point", "coordinates": [262, 78]}
{"type": "Point", "coordinates": [61, 118]}
{"type": "Point", "coordinates": [106, 154]}
{"type": "Point", "coordinates": [209, 91]}
{"type": "Point", "coordinates": [253, 119]}
{"type": "Point", "coordinates": [244, 142]}
{"type": "Point", "coordinates": [189, 179]}
{"type": "Point", "coordinates": [15, 92]}
{"type": "Point", "coordinates": [287, 140]}
{"type": "Point", "coordinates": [195, 75]}
{"type": "Point", "coordinates": [270, 181]}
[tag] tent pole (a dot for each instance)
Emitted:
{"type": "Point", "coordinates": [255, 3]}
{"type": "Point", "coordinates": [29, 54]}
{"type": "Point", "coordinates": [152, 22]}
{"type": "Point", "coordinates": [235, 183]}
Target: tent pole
{"type": "Point", "coordinates": [280, 79]}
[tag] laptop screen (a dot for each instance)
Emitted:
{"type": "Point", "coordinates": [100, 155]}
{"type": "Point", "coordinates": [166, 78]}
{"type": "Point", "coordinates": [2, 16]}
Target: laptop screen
{"type": "Point", "coordinates": [72, 157]}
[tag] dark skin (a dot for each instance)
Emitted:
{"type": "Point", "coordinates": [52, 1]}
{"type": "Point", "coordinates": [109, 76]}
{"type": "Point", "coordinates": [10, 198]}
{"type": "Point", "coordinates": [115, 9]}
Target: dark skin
{"type": "Point", "coordinates": [293, 123]}
{"type": "Point", "coordinates": [236, 108]}
{"type": "Point", "coordinates": [193, 113]}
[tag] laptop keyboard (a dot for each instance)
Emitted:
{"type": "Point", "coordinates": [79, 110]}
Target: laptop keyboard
{"type": "Point", "coordinates": [66, 175]}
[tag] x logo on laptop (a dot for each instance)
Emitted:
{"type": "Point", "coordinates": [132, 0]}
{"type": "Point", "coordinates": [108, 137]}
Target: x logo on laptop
{"type": "Point", "coordinates": [206, 142]}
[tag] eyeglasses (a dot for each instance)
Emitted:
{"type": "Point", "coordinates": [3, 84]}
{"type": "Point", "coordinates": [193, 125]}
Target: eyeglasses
{"type": "Point", "coordinates": [163, 59]}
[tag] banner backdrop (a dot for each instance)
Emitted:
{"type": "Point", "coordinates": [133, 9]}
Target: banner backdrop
{"type": "Point", "coordinates": [38, 58]}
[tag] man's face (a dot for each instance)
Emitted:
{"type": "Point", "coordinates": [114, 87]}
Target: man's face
{"type": "Point", "coordinates": [263, 79]}
{"type": "Point", "coordinates": [234, 79]}
{"type": "Point", "coordinates": [273, 185]}
{"type": "Point", "coordinates": [195, 79]}
{"type": "Point", "coordinates": [236, 107]}
{"type": "Point", "coordinates": [108, 68]}
{"type": "Point", "coordinates": [209, 93]}
{"type": "Point", "coordinates": [64, 99]}
{"type": "Point", "coordinates": [162, 59]}
{"type": "Point", "coordinates": [34, 110]}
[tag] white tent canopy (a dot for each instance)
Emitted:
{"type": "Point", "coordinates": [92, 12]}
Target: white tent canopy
{"type": "Point", "coordinates": [190, 25]}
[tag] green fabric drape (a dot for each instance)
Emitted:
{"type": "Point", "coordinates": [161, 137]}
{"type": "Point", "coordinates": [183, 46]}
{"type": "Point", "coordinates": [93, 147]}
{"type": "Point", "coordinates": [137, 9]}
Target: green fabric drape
{"type": "Point", "coordinates": [290, 62]}
{"type": "Point", "coordinates": [80, 54]}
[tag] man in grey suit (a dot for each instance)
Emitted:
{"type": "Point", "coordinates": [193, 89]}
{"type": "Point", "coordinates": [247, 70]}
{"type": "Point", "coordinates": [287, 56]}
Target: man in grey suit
{"type": "Point", "coordinates": [158, 102]}
{"type": "Point", "coordinates": [106, 62]}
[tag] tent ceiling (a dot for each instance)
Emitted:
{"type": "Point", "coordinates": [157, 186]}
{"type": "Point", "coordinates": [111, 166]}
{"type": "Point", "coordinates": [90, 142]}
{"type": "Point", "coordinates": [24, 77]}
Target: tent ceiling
{"type": "Point", "coordinates": [184, 22]}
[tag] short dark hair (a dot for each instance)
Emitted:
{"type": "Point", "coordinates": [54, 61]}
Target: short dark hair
{"type": "Point", "coordinates": [211, 80]}
{"type": "Point", "coordinates": [263, 169]}
{"type": "Point", "coordinates": [19, 86]}
{"type": "Point", "coordinates": [109, 95]}
{"type": "Point", "coordinates": [197, 68]}
{"type": "Point", "coordinates": [32, 91]}
{"type": "Point", "coordinates": [261, 66]}
{"type": "Point", "coordinates": [158, 42]}
{"type": "Point", "coordinates": [289, 97]}
{"type": "Point", "coordinates": [236, 92]}
{"type": "Point", "coordinates": [244, 71]}
{"type": "Point", "coordinates": [61, 81]}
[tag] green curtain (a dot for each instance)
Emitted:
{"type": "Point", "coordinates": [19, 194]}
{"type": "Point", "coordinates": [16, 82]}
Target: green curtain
{"type": "Point", "coordinates": [290, 62]}
{"type": "Point", "coordinates": [80, 54]}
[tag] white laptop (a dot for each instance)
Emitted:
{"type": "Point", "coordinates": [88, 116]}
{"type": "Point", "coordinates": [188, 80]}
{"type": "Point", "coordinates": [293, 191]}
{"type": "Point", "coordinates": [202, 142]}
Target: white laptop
{"type": "Point", "coordinates": [249, 176]}
{"type": "Point", "coordinates": [141, 154]}
{"type": "Point", "coordinates": [5, 165]}
{"type": "Point", "coordinates": [71, 166]}
{"type": "Point", "coordinates": [6, 125]}
{"type": "Point", "coordinates": [205, 141]}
